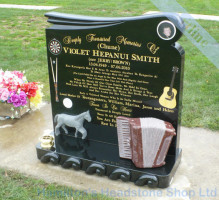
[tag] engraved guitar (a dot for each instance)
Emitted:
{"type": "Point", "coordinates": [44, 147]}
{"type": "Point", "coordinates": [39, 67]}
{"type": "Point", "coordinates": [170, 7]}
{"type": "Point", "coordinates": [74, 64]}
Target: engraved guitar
{"type": "Point", "coordinates": [168, 98]}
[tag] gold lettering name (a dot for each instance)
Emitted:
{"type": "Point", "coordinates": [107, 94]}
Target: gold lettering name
{"type": "Point", "coordinates": [106, 54]}
{"type": "Point", "coordinates": [76, 51]}
{"type": "Point", "coordinates": [105, 46]}
{"type": "Point", "coordinates": [144, 58]}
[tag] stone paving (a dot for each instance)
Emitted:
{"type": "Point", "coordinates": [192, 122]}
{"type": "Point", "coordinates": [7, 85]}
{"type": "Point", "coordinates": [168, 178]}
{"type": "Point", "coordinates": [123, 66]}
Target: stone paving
{"type": "Point", "coordinates": [28, 7]}
{"type": "Point", "coordinates": [197, 176]}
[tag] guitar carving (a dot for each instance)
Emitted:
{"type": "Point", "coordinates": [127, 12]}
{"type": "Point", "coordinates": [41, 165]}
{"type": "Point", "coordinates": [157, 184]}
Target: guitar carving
{"type": "Point", "coordinates": [168, 98]}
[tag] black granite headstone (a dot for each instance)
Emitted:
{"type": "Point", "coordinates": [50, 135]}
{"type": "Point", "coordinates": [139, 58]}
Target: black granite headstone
{"type": "Point", "coordinates": [102, 68]}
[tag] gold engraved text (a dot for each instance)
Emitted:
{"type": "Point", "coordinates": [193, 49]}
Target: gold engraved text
{"type": "Point", "coordinates": [122, 40]}
{"type": "Point", "coordinates": [93, 38]}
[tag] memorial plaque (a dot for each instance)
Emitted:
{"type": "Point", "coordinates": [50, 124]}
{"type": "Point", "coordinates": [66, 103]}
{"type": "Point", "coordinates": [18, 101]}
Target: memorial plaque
{"type": "Point", "coordinates": [116, 93]}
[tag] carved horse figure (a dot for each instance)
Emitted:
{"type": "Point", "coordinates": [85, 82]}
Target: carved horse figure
{"type": "Point", "coordinates": [75, 121]}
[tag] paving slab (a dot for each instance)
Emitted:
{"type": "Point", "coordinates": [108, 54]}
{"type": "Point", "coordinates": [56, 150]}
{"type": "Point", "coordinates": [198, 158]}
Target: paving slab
{"type": "Point", "coordinates": [196, 178]}
{"type": "Point", "coordinates": [28, 7]}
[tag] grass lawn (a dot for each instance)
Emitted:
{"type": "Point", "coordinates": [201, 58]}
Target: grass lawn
{"type": "Point", "coordinates": [22, 44]}
{"type": "Point", "coordinates": [16, 186]}
{"type": "Point", "coordinates": [119, 7]}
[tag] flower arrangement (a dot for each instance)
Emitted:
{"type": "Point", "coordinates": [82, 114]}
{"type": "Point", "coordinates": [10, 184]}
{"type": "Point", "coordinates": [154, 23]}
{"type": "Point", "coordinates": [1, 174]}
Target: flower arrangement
{"type": "Point", "coordinates": [17, 91]}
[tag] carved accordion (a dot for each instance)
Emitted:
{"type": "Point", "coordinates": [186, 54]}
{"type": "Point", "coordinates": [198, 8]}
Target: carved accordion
{"type": "Point", "coordinates": [145, 141]}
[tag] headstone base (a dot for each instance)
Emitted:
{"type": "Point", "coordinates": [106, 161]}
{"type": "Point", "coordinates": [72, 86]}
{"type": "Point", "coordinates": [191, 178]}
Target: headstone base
{"type": "Point", "coordinates": [160, 177]}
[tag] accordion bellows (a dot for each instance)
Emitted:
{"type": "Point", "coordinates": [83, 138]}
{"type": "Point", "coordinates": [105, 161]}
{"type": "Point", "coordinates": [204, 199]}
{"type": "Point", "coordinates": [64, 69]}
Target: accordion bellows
{"type": "Point", "coordinates": [145, 141]}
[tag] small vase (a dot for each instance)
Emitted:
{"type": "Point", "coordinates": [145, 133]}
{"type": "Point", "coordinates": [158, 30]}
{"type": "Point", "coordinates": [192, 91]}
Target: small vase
{"type": "Point", "coordinates": [8, 110]}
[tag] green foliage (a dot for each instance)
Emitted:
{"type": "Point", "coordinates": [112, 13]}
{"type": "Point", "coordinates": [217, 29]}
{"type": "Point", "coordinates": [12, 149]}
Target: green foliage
{"type": "Point", "coordinates": [119, 7]}
{"type": "Point", "coordinates": [16, 186]}
{"type": "Point", "coordinates": [200, 93]}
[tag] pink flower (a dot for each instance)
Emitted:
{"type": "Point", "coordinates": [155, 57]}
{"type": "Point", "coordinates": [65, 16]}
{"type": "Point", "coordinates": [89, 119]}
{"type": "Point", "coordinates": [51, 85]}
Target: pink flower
{"type": "Point", "coordinates": [9, 99]}
{"type": "Point", "coordinates": [18, 99]}
{"type": "Point", "coordinates": [23, 98]}
{"type": "Point", "coordinates": [18, 74]}
{"type": "Point", "coordinates": [1, 90]}
{"type": "Point", "coordinates": [17, 103]}
{"type": "Point", "coordinates": [23, 95]}
{"type": "Point", "coordinates": [14, 89]}
{"type": "Point", "coordinates": [24, 102]}
{"type": "Point", "coordinates": [14, 98]}
{"type": "Point", "coordinates": [4, 94]}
